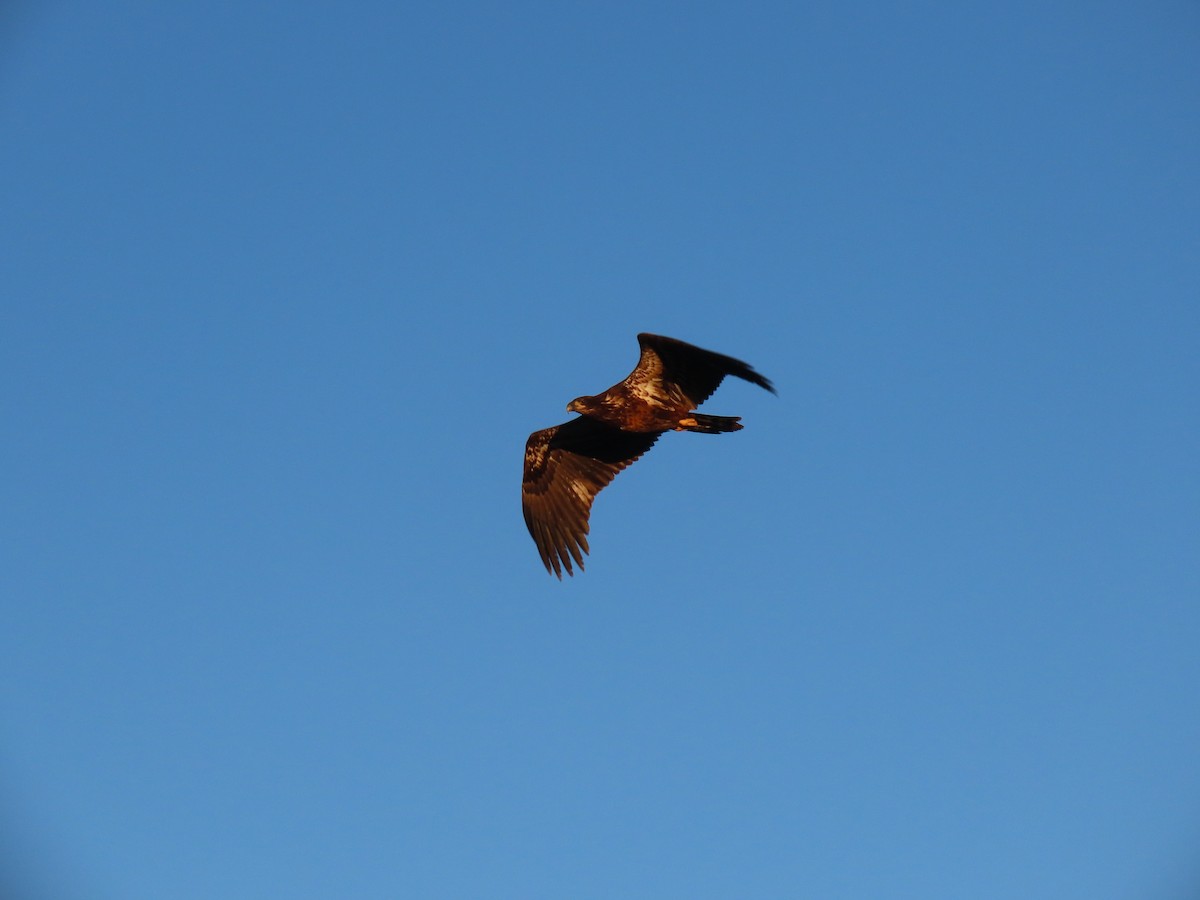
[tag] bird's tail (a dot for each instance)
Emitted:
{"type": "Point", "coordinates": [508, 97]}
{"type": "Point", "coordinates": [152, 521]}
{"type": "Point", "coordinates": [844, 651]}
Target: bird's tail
{"type": "Point", "coordinates": [706, 424]}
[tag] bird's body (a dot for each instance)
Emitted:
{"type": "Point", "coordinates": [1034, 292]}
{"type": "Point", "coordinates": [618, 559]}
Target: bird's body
{"type": "Point", "coordinates": [567, 465]}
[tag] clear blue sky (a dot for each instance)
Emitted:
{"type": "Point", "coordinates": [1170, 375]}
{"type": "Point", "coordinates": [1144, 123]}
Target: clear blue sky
{"type": "Point", "coordinates": [285, 288]}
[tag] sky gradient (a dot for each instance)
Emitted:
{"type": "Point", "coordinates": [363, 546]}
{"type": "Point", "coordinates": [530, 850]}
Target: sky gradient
{"type": "Point", "coordinates": [285, 291]}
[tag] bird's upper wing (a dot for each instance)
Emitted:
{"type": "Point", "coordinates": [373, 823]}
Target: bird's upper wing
{"type": "Point", "coordinates": [565, 468]}
{"type": "Point", "coordinates": [696, 371]}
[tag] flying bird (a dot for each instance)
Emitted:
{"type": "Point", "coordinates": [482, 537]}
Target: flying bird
{"type": "Point", "coordinates": [568, 465]}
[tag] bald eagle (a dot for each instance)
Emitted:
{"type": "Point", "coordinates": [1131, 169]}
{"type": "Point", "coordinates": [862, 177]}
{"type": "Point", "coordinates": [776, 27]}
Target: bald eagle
{"type": "Point", "coordinates": [568, 465]}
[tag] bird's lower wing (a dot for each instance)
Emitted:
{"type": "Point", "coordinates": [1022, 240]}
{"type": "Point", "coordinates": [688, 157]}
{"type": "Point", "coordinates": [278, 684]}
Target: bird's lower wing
{"type": "Point", "coordinates": [565, 468]}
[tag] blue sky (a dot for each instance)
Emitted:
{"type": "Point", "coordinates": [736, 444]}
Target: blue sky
{"type": "Point", "coordinates": [285, 290]}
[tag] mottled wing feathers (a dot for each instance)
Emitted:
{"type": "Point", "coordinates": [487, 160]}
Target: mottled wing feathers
{"type": "Point", "coordinates": [697, 372]}
{"type": "Point", "coordinates": [565, 467]}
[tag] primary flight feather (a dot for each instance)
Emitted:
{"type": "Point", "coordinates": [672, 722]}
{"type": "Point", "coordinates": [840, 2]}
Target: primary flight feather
{"type": "Point", "coordinates": [567, 465]}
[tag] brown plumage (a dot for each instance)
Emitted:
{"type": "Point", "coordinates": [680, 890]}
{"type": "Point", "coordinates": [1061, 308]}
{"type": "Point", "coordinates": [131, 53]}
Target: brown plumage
{"type": "Point", "coordinates": [568, 465]}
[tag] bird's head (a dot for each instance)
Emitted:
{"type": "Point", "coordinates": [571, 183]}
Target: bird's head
{"type": "Point", "coordinates": [580, 405]}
